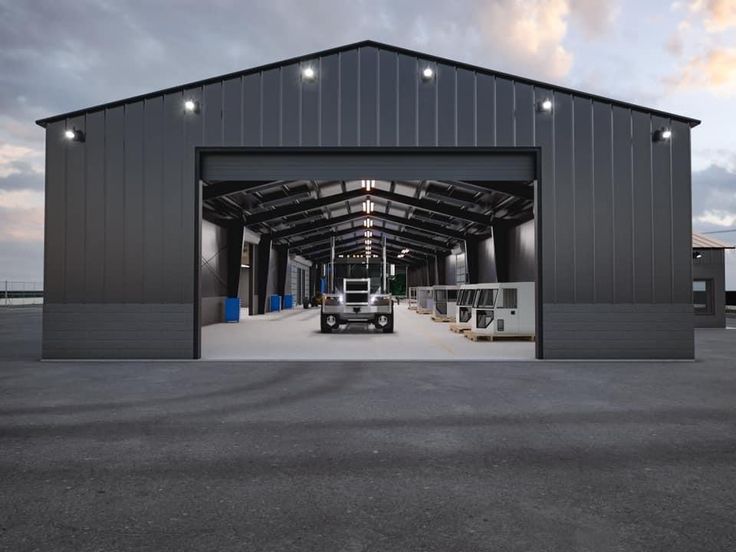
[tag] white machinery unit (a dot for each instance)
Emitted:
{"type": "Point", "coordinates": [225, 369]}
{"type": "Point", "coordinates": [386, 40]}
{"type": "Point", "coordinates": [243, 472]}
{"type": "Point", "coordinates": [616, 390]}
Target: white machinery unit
{"type": "Point", "coordinates": [424, 300]}
{"type": "Point", "coordinates": [466, 300]}
{"type": "Point", "coordinates": [504, 309]}
{"type": "Point", "coordinates": [411, 298]}
{"type": "Point", "coordinates": [444, 302]}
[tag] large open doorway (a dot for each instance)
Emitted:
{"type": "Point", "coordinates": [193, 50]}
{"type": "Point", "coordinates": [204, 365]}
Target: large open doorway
{"type": "Point", "coordinates": [282, 227]}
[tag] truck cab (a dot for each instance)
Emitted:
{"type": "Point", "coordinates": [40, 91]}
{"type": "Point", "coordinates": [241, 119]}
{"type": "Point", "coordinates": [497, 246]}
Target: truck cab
{"type": "Point", "coordinates": [356, 303]}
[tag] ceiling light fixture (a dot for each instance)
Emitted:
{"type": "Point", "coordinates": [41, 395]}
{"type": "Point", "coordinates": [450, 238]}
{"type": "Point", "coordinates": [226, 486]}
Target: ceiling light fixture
{"type": "Point", "coordinates": [368, 223]}
{"type": "Point", "coordinates": [368, 206]}
{"type": "Point", "coordinates": [367, 185]}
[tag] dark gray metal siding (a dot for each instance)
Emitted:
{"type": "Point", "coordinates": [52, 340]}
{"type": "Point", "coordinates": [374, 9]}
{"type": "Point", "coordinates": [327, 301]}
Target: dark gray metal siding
{"type": "Point", "coordinates": [616, 222]}
{"type": "Point", "coordinates": [712, 266]}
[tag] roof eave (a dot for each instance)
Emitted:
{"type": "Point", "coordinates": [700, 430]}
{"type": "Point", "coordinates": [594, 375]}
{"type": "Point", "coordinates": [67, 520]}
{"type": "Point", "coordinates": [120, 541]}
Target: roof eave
{"type": "Point", "coordinates": [363, 43]}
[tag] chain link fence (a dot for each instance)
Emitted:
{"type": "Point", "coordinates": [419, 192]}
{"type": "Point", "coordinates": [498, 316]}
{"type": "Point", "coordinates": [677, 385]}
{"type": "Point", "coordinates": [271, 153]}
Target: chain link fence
{"type": "Point", "coordinates": [13, 293]}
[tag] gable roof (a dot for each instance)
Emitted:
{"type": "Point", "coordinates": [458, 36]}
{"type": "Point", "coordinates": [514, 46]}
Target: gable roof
{"type": "Point", "coordinates": [701, 241]}
{"type": "Point", "coordinates": [368, 43]}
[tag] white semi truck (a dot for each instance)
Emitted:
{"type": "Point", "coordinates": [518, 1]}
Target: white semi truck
{"type": "Point", "coordinates": [356, 303]}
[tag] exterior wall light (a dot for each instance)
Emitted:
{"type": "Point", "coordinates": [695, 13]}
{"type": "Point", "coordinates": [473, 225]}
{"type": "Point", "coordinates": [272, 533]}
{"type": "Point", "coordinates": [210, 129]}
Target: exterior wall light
{"type": "Point", "coordinates": [191, 106]}
{"type": "Point", "coordinates": [309, 74]}
{"type": "Point", "coordinates": [544, 106]}
{"type": "Point", "coordinates": [74, 135]}
{"type": "Point", "coordinates": [427, 73]}
{"type": "Point", "coordinates": [697, 254]}
{"type": "Point", "coordinates": [662, 135]}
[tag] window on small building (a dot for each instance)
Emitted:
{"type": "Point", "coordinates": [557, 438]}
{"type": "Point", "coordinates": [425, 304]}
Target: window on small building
{"type": "Point", "coordinates": [703, 296]}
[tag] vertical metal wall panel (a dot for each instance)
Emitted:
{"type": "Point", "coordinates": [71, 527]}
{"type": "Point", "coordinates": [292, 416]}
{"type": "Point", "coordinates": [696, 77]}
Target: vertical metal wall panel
{"type": "Point", "coordinates": [485, 100]}
{"type": "Point", "coordinates": [466, 115]}
{"type": "Point", "coordinates": [75, 216]}
{"type": "Point", "coordinates": [603, 208]}
{"type": "Point", "coordinates": [504, 112]}
{"type": "Point", "coordinates": [271, 108]}
{"type": "Point", "coordinates": [193, 136]}
{"type": "Point", "coordinates": [174, 189]}
{"type": "Point", "coordinates": [310, 124]}
{"type": "Point", "coordinates": [662, 215]}
{"type": "Point", "coordinates": [584, 200]}
{"type": "Point", "coordinates": [252, 109]}
{"type": "Point", "coordinates": [426, 105]}
{"type": "Point", "coordinates": [681, 213]}
{"type": "Point", "coordinates": [153, 201]}
{"type": "Point", "coordinates": [388, 98]}
{"type": "Point", "coordinates": [113, 259]}
{"type": "Point", "coordinates": [55, 214]}
{"type": "Point", "coordinates": [349, 98]}
{"type": "Point", "coordinates": [290, 109]}
{"type": "Point", "coordinates": [641, 143]}
{"type": "Point", "coordinates": [447, 105]}
{"type": "Point", "coordinates": [232, 112]}
{"type": "Point", "coordinates": [564, 199]}
{"type": "Point", "coordinates": [622, 207]}
{"type": "Point", "coordinates": [407, 100]}
{"type": "Point", "coordinates": [212, 113]}
{"type": "Point", "coordinates": [94, 269]}
{"type": "Point", "coordinates": [330, 100]}
{"type": "Point", "coordinates": [133, 200]}
{"type": "Point", "coordinates": [525, 112]}
{"type": "Point", "coordinates": [544, 138]}
{"type": "Point", "coordinates": [368, 94]}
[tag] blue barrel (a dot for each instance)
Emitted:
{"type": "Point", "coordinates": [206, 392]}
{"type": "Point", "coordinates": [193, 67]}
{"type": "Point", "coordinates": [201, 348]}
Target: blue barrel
{"type": "Point", "coordinates": [275, 303]}
{"type": "Point", "coordinates": [288, 302]}
{"type": "Point", "coordinates": [232, 309]}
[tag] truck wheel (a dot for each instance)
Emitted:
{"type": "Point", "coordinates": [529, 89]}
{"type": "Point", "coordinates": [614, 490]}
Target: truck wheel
{"type": "Point", "coordinates": [385, 323]}
{"type": "Point", "coordinates": [324, 326]}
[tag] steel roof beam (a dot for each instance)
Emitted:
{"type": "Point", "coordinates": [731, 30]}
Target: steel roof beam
{"type": "Point", "coordinates": [401, 221]}
{"type": "Point", "coordinates": [220, 189]}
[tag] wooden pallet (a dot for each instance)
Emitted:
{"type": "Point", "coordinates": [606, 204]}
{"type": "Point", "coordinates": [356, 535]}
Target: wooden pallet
{"type": "Point", "coordinates": [442, 318]}
{"type": "Point", "coordinates": [420, 310]}
{"type": "Point", "coordinates": [459, 328]}
{"type": "Point", "coordinates": [473, 336]}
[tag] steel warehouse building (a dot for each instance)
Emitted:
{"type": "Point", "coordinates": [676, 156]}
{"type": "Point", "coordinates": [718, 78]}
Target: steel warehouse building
{"type": "Point", "coordinates": [158, 206]}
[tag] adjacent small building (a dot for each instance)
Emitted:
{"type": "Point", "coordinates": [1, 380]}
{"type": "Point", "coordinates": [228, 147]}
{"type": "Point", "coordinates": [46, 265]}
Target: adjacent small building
{"type": "Point", "coordinates": [709, 281]}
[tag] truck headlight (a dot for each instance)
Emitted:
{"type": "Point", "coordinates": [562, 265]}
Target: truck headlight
{"type": "Point", "coordinates": [381, 300]}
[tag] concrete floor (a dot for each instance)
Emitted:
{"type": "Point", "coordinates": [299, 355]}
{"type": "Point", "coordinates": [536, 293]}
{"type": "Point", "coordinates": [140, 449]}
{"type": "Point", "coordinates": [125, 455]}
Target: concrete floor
{"type": "Point", "coordinates": [295, 335]}
{"type": "Point", "coordinates": [359, 456]}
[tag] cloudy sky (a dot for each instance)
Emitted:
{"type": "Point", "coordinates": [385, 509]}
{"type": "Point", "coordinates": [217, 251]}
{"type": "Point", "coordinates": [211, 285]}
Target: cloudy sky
{"type": "Point", "coordinates": [60, 55]}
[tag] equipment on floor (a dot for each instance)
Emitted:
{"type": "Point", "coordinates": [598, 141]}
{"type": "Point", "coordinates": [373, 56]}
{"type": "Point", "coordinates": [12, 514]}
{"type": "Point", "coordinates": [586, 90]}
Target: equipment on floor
{"type": "Point", "coordinates": [424, 300]}
{"type": "Point", "coordinates": [503, 309]}
{"type": "Point", "coordinates": [466, 300]}
{"type": "Point", "coordinates": [411, 298]}
{"type": "Point", "coordinates": [444, 303]}
{"type": "Point", "coordinates": [356, 303]}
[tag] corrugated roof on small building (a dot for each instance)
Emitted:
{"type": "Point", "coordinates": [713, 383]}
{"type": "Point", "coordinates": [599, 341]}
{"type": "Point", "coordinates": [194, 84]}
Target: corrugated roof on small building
{"type": "Point", "coordinates": [701, 241]}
